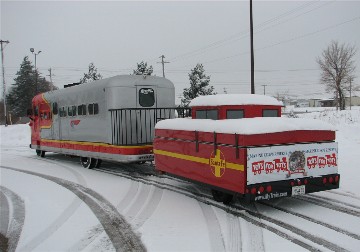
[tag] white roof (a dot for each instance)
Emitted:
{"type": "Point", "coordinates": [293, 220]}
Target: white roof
{"type": "Point", "coordinates": [234, 99]}
{"type": "Point", "coordinates": [245, 126]}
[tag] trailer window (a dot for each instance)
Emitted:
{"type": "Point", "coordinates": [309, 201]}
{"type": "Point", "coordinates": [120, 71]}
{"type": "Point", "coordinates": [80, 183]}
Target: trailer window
{"type": "Point", "coordinates": [36, 111]}
{"type": "Point", "coordinates": [82, 109]}
{"type": "Point", "coordinates": [96, 108]}
{"type": "Point", "coordinates": [72, 111]}
{"type": "Point", "coordinates": [93, 109]}
{"type": "Point", "coordinates": [234, 114]}
{"type": "Point", "coordinates": [55, 108]}
{"type": "Point", "coordinates": [146, 97]}
{"type": "Point", "coordinates": [207, 114]}
{"type": "Point", "coordinates": [62, 112]}
{"type": "Point", "coordinates": [270, 113]}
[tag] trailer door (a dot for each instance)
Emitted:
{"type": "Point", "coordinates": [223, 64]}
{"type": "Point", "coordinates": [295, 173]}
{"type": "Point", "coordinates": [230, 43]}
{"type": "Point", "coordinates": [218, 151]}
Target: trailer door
{"type": "Point", "coordinates": [146, 114]}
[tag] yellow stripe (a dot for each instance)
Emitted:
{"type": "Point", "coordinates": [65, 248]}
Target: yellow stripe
{"type": "Point", "coordinates": [182, 156]}
{"type": "Point", "coordinates": [229, 165]}
{"type": "Point", "coordinates": [95, 144]}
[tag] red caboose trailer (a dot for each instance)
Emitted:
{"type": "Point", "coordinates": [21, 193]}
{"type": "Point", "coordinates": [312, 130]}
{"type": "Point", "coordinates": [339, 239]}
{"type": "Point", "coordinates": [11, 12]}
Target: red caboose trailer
{"type": "Point", "coordinates": [240, 145]}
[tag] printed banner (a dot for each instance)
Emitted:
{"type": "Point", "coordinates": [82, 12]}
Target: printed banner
{"type": "Point", "coordinates": [266, 164]}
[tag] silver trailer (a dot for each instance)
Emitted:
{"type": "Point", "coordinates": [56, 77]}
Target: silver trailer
{"type": "Point", "coordinates": [115, 112]}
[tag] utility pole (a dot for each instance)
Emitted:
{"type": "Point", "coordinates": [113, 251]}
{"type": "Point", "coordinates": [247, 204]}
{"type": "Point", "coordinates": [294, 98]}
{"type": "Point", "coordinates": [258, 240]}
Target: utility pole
{"type": "Point", "coordinates": [252, 49]}
{"type": "Point", "coordinates": [36, 72]}
{"type": "Point", "coordinates": [350, 93]}
{"type": "Point", "coordinates": [50, 75]}
{"type": "Point", "coordinates": [264, 88]}
{"type": "Point", "coordinates": [163, 64]}
{"type": "Point", "coordinates": [3, 75]}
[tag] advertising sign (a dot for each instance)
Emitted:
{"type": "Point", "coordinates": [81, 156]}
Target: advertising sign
{"type": "Point", "coordinates": [266, 164]}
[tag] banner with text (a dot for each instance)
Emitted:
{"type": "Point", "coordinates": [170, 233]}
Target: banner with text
{"type": "Point", "coordinates": [266, 164]}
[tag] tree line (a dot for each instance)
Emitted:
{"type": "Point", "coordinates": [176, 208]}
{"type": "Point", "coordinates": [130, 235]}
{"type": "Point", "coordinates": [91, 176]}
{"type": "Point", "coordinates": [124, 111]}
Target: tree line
{"type": "Point", "coordinates": [336, 63]}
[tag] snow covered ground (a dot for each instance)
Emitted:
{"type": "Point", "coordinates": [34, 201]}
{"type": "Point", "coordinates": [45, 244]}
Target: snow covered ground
{"type": "Point", "coordinates": [53, 204]}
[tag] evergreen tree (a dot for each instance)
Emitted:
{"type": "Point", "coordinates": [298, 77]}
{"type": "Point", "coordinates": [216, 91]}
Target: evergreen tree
{"type": "Point", "coordinates": [143, 69]}
{"type": "Point", "coordinates": [199, 85]}
{"type": "Point", "coordinates": [27, 84]}
{"type": "Point", "coordinates": [92, 74]}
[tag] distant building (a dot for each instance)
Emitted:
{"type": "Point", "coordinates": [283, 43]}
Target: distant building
{"type": "Point", "coordinates": [355, 101]}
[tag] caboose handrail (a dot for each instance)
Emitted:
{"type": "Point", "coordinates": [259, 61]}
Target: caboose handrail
{"type": "Point", "coordinates": [136, 126]}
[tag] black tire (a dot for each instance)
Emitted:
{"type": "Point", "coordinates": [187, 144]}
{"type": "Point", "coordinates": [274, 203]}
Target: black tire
{"type": "Point", "coordinates": [88, 162]}
{"type": "Point", "coordinates": [98, 163]}
{"type": "Point", "coordinates": [40, 153]}
{"type": "Point", "coordinates": [219, 196]}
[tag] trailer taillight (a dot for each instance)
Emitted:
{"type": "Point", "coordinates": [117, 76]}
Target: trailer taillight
{"type": "Point", "coordinates": [337, 178]}
{"type": "Point", "coordinates": [253, 190]}
{"type": "Point", "coordinates": [292, 183]}
{"type": "Point", "coordinates": [269, 188]}
{"type": "Point", "coordinates": [299, 182]}
{"type": "Point", "coordinates": [331, 180]}
{"type": "Point", "coordinates": [306, 182]}
{"type": "Point", "coordinates": [261, 189]}
{"type": "Point", "coordinates": [324, 180]}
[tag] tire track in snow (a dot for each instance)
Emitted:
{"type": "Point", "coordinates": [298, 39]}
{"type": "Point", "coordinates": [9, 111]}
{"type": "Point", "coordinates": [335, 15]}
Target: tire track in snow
{"type": "Point", "coordinates": [4, 214]}
{"type": "Point", "coordinates": [331, 201]}
{"type": "Point", "coordinates": [327, 225]}
{"type": "Point", "coordinates": [349, 195]}
{"type": "Point", "coordinates": [97, 230]}
{"type": "Point", "coordinates": [65, 215]}
{"type": "Point", "coordinates": [146, 200]}
{"type": "Point", "coordinates": [214, 229]}
{"type": "Point", "coordinates": [328, 205]}
{"type": "Point", "coordinates": [234, 240]}
{"type": "Point", "coordinates": [116, 227]}
{"type": "Point", "coordinates": [149, 209]}
{"type": "Point", "coordinates": [16, 224]}
{"type": "Point", "coordinates": [256, 234]}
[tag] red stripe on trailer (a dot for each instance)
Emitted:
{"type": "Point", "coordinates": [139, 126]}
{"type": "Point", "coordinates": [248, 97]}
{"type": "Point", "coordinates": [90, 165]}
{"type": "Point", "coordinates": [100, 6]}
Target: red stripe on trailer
{"type": "Point", "coordinates": [96, 147]}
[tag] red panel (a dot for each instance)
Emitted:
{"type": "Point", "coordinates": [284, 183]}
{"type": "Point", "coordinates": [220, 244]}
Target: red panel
{"type": "Point", "coordinates": [287, 137]}
{"type": "Point", "coordinates": [233, 180]}
{"type": "Point", "coordinates": [93, 147]}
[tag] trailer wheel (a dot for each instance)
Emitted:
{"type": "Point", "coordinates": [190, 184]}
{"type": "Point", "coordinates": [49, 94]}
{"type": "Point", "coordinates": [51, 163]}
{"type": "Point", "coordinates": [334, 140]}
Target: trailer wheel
{"type": "Point", "coordinates": [98, 163]}
{"type": "Point", "coordinates": [219, 196]}
{"type": "Point", "coordinates": [40, 153]}
{"type": "Point", "coordinates": [88, 162]}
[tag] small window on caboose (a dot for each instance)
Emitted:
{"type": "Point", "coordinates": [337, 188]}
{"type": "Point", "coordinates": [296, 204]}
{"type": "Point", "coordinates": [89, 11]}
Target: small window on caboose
{"type": "Point", "coordinates": [234, 114]}
{"type": "Point", "coordinates": [55, 108]}
{"type": "Point", "coordinates": [146, 97]}
{"type": "Point", "coordinates": [270, 113]}
{"type": "Point", "coordinates": [207, 114]}
{"type": "Point", "coordinates": [82, 109]}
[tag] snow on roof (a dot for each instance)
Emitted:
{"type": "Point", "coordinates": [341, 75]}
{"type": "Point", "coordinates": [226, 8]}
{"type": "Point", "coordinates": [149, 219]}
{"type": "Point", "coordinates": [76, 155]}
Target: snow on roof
{"type": "Point", "coordinates": [234, 99]}
{"type": "Point", "coordinates": [245, 126]}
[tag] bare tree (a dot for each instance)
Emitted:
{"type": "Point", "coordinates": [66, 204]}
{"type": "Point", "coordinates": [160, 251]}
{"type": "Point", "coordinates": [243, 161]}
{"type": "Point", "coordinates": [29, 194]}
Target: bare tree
{"type": "Point", "coordinates": [338, 67]}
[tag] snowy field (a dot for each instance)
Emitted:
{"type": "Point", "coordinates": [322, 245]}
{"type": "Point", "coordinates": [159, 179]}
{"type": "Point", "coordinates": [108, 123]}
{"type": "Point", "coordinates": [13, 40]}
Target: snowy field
{"type": "Point", "coordinates": [53, 204]}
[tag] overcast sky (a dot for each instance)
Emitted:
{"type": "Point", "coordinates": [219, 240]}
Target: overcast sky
{"type": "Point", "coordinates": [115, 35]}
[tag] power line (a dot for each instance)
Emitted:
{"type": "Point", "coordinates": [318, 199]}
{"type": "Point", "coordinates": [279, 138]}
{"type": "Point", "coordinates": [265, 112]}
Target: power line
{"type": "Point", "coordinates": [288, 40]}
{"type": "Point", "coordinates": [245, 33]}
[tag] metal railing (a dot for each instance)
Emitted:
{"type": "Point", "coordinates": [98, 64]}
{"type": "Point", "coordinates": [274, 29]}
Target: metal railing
{"type": "Point", "coordinates": [136, 126]}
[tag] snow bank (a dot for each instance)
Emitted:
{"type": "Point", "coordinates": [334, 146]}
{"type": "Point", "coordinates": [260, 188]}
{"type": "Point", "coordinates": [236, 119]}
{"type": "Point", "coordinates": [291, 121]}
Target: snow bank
{"type": "Point", "coordinates": [245, 126]}
{"type": "Point", "coordinates": [234, 99]}
{"type": "Point", "coordinates": [15, 135]}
